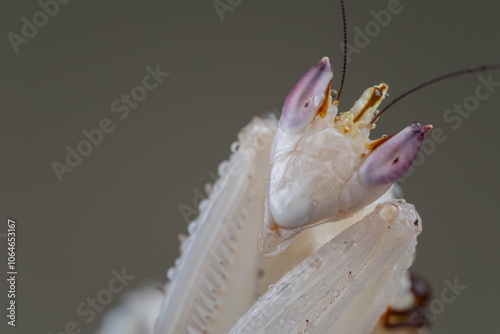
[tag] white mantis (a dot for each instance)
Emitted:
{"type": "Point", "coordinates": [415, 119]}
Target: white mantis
{"type": "Point", "coordinates": [313, 167]}
{"type": "Point", "coordinates": [323, 168]}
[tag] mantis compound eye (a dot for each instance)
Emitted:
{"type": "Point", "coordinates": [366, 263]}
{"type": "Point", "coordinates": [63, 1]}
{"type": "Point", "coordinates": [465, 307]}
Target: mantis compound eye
{"type": "Point", "coordinates": [310, 95]}
{"type": "Point", "coordinates": [392, 158]}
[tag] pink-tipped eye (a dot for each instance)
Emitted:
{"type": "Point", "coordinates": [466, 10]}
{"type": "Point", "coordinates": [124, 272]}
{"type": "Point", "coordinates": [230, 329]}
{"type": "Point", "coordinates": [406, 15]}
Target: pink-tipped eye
{"type": "Point", "coordinates": [391, 159]}
{"type": "Point", "coordinates": [308, 95]}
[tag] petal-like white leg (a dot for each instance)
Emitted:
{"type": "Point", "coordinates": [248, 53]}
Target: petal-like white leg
{"type": "Point", "coordinates": [347, 284]}
{"type": "Point", "coordinates": [214, 281]}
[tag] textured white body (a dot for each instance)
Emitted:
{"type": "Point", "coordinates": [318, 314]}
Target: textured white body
{"type": "Point", "coordinates": [318, 166]}
{"type": "Point", "coordinates": [221, 273]}
{"type": "Point", "coordinates": [347, 284]}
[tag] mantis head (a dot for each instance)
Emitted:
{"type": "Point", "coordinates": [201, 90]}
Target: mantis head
{"type": "Point", "coordinates": [324, 167]}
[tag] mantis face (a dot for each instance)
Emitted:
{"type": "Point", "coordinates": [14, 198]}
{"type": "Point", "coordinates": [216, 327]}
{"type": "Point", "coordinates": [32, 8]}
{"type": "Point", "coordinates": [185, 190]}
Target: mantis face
{"type": "Point", "coordinates": [324, 167]}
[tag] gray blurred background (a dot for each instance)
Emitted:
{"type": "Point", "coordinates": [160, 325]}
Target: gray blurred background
{"type": "Point", "coordinates": [120, 206]}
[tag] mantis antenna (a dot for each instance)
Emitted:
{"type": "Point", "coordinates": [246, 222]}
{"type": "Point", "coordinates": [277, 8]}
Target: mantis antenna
{"type": "Point", "coordinates": [344, 66]}
{"type": "Point", "coordinates": [468, 70]}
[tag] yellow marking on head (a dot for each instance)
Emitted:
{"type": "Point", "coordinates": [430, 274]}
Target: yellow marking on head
{"type": "Point", "coordinates": [327, 102]}
{"type": "Point", "coordinates": [376, 97]}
